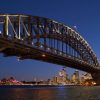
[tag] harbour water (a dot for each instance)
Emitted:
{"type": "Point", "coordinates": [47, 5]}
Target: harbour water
{"type": "Point", "coordinates": [49, 93]}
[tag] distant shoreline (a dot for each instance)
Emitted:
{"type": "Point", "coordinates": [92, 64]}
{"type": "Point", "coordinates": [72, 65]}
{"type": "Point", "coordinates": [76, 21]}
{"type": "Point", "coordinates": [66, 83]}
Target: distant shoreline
{"type": "Point", "coordinates": [40, 86]}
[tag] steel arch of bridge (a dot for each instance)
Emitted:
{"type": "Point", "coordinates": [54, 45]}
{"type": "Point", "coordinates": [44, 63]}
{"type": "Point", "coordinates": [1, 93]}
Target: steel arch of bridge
{"type": "Point", "coordinates": [53, 40]}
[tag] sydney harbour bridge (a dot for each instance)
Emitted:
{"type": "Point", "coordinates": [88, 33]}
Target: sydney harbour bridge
{"type": "Point", "coordinates": [33, 37]}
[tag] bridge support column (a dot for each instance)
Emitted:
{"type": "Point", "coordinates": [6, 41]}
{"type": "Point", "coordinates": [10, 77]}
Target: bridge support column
{"type": "Point", "coordinates": [96, 78]}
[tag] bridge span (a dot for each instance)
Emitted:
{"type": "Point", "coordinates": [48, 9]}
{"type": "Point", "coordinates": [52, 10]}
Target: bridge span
{"type": "Point", "coordinates": [33, 37]}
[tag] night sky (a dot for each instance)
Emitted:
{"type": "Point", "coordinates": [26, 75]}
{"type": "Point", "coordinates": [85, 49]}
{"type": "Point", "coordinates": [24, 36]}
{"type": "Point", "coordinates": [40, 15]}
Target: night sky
{"type": "Point", "coordinates": [84, 14]}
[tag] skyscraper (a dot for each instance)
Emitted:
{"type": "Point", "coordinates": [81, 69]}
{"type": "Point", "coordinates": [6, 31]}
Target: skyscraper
{"type": "Point", "coordinates": [62, 77]}
{"type": "Point", "coordinates": [75, 77]}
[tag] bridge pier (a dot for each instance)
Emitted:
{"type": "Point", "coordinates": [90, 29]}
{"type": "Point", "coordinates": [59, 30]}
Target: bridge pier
{"type": "Point", "coordinates": [96, 78]}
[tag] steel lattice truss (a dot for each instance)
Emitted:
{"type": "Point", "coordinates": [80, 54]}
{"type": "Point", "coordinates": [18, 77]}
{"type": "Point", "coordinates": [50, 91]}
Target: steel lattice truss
{"type": "Point", "coordinates": [45, 35]}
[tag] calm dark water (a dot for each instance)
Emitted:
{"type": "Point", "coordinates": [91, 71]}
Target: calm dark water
{"type": "Point", "coordinates": [49, 93]}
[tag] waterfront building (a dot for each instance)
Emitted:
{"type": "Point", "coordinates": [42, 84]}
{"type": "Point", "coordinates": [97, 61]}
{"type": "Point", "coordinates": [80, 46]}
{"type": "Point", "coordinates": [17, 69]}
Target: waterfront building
{"type": "Point", "coordinates": [55, 80]}
{"type": "Point", "coordinates": [84, 77]}
{"type": "Point", "coordinates": [49, 82]}
{"type": "Point", "coordinates": [87, 76]}
{"type": "Point", "coordinates": [75, 77]}
{"type": "Point", "coordinates": [62, 77]}
{"type": "Point", "coordinates": [82, 80]}
{"type": "Point", "coordinates": [10, 81]}
{"type": "Point", "coordinates": [87, 80]}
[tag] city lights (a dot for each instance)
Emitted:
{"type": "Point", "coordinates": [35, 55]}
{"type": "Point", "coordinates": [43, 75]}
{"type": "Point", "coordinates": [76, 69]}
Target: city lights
{"type": "Point", "coordinates": [43, 55]}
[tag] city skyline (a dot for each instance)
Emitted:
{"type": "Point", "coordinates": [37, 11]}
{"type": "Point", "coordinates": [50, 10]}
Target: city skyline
{"type": "Point", "coordinates": [87, 26]}
{"type": "Point", "coordinates": [60, 79]}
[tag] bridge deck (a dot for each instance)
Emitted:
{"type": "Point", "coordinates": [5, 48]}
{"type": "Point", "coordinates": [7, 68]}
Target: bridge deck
{"type": "Point", "coordinates": [23, 51]}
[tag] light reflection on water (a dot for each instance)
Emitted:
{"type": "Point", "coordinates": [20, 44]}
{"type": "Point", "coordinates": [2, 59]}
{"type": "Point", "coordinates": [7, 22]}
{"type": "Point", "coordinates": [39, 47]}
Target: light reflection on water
{"type": "Point", "coordinates": [50, 93]}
